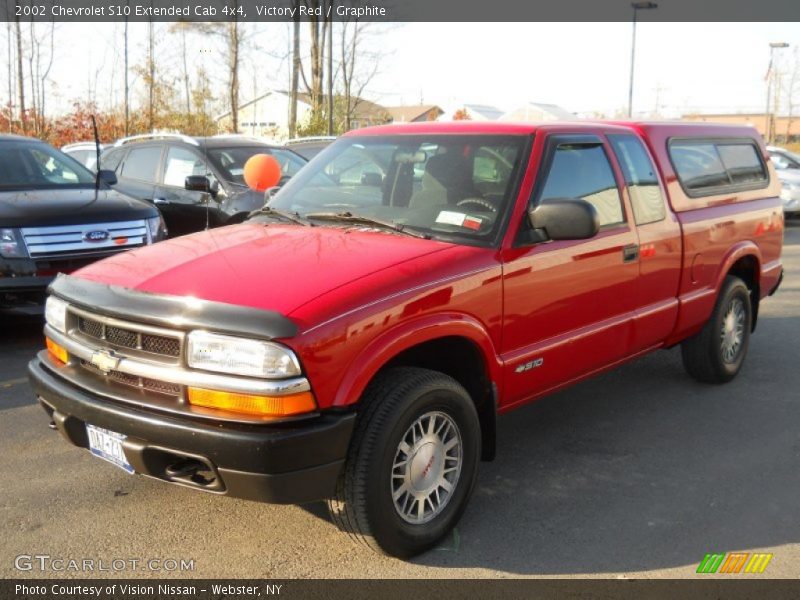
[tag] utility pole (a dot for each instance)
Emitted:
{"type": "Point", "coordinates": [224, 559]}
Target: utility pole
{"type": "Point", "coordinates": [767, 112]}
{"type": "Point", "coordinates": [636, 6]}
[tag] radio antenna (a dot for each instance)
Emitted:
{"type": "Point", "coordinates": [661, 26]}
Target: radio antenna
{"type": "Point", "coordinates": [97, 152]}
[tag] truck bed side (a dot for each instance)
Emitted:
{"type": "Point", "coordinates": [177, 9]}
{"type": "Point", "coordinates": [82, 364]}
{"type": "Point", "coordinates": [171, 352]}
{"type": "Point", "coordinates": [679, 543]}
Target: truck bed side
{"type": "Point", "coordinates": [738, 232]}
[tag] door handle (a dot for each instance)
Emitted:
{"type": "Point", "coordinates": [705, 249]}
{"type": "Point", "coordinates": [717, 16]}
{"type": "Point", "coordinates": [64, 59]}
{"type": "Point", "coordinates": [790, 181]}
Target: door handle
{"type": "Point", "coordinates": [630, 253]}
{"type": "Point", "coordinates": [160, 201]}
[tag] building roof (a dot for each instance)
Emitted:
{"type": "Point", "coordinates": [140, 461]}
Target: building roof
{"type": "Point", "coordinates": [538, 111]}
{"type": "Point", "coordinates": [488, 112]}
{"type": "Point", "coordinates": [407, 114]}
{"type": "Point", "coordinates": [362, 108]}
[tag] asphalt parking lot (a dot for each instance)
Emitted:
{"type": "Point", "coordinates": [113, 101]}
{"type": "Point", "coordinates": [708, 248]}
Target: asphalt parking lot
{"type": "Point", "coordinates": [640, 472]}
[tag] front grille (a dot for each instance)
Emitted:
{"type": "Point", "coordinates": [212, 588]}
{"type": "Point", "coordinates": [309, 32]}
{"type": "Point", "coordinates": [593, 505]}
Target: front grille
{"type": "Point", "coordinates": [128, 338]}
{"type": "Point", "coordinates": [144, 383]}
{"type": "Point", "coordinates": [61, 240]}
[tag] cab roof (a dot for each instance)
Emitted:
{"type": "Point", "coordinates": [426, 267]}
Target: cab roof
{"type": "Point", "coordinates": [670, 128]}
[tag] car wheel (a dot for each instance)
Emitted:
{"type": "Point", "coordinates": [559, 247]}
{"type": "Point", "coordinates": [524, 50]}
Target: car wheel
{"type": "Point", "coordinates": [716, 354]}
{"type": "Point", "coordinates": [412, 462]}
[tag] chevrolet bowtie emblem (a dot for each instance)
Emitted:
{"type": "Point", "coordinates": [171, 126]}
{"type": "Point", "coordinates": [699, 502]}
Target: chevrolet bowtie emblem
{"type": "Point", "coordinates": [105, 361]}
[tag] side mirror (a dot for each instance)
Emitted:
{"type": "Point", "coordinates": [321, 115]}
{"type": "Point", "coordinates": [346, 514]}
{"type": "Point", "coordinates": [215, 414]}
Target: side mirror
{"type": "Point", "coordinates": [107, 176]}
{"type": "Point", "coordinates": [565, 219]}
{"type": "Point", "coordinates": [201, 183]}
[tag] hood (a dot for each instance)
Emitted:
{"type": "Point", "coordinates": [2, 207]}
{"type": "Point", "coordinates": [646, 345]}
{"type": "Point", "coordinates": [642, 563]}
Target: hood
{"type": "Point", "coordinates": [69, 207]}
{"type": "Point", "coordinates": [272, 267]}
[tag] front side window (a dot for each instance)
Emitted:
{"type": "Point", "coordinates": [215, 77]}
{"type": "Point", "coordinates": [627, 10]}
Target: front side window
{"type": "Point", "coordinates": [647, 201]}
{"type": "Point", "coordinates": [450, 187]}
{"type": "Point", "coordinates": [583, 171]}
{"type": "Point", "coordinates": [142, 163]}
{"type": "Point", "coordinates": [26, 165]}
{"type": "Point", "coordinates": [180, 164]}
{"type": "Point", "coordinates": [706, 167]}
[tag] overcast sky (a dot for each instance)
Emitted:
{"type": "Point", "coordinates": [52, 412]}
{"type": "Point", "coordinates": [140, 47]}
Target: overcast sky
{"type": "Point", "coordinates": [584, 67]}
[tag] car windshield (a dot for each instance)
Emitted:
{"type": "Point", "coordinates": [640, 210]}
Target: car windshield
{"type": "Point", "coordinates": [451, 187]}
{"type": "Point", "coordinates": [230, 161]}
{"type": "Point", "coordinates": [28, 165]}
{"type": "Point", "coordinates": [785, 160]}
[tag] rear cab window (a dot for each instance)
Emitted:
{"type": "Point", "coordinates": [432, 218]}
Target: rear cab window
{"type": "Point", "coordinates": [707, 167]}
{"type": "Point", "coordinates": [647, 200]}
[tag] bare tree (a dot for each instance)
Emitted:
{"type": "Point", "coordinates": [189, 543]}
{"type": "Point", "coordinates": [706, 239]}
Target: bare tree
{"type": "Point", "coordinates": [791, 88]}
{"type": "Point", "coordinates": [317, 31]}
{"type": "Point", "coordinates": [151, 75]}
{"type": "Point", "coordinates": [183, 29]}
{"type": "Point", "coordinates": [296, 64]}
{"type": "Point", "coordinates": [234, 48]}
{"type": "Point", "coordinates": [234, 39]}
{"type": "Point", "coordinates": [358, 68]}
{"type": "Point", "coordinates": [10, 63]}
{"type": "Point", "coordinates": [127, 82]}
{"type": "Point", "coordinates": [20, 76]}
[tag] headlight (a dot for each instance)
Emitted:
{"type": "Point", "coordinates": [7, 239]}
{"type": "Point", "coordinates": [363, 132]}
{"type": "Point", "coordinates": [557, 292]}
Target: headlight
{"type": "Point", "coordinates": [55, 313]}
{"type": "Point", "coordinates": [240, 356]}
{"type": "Point", "coordinates": [157, 228]}
{"type": "Point", "coordinates": [11, 244]}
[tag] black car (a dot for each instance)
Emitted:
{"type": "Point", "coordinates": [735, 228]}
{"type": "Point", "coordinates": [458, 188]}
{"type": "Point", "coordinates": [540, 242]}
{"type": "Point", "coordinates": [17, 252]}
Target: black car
{"type": "Point", "coordinates": [195, 182]}
{"type": "Point", "coordinates": [57, 216]}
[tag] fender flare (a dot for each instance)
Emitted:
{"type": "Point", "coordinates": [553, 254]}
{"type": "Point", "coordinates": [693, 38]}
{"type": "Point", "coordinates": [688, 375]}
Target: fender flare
{"type": "Point", "coordinates": [735, 253]}
{"type": "Point", "coordinates": [407, 335]}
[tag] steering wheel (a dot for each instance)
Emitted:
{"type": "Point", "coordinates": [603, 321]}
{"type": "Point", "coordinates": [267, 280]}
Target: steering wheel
{"type": "Point", "coordinates": [484, 204]}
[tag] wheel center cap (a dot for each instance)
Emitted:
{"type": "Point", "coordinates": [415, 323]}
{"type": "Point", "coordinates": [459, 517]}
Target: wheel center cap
{"type": "Point", "coordinates": [425, 466]}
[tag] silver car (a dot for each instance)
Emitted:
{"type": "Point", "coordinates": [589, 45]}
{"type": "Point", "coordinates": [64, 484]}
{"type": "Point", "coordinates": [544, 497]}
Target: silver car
{"type": "Point", "coordinates": [787, 165]}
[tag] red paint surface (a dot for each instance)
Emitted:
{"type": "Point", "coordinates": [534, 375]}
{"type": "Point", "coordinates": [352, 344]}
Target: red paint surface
{"type": "Point", "coordinates": [360, 298]}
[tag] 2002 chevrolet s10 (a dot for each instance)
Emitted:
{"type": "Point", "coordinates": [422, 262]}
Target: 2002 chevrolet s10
{"type": "Point", "coordinates": [356, 340]}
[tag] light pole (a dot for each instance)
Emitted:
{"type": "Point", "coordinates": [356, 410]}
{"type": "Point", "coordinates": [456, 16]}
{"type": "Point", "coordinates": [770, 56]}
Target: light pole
{"type": "Point", "coordinates": [635, 6]}
{"type": "Point", "coordinates": [767, 115]}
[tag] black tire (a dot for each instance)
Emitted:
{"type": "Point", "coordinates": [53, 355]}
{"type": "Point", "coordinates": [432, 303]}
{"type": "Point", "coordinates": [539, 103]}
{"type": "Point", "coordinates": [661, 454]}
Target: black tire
{"type": "Point", "coordinates": [704, 354]}
{"type": "Point", "coordinates": [364, 505]}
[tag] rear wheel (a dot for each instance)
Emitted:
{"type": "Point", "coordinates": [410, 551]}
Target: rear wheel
{"type": "Point", "coordinates": [716, 354]}
{"type": "Point", "coordinates": [412, 462]}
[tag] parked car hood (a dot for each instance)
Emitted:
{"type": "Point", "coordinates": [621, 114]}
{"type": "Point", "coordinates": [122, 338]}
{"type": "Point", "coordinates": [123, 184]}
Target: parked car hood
{"type": "Point", "coordinates": [69, 207]}
{"type": "Point", "coordinates": [273, 267]}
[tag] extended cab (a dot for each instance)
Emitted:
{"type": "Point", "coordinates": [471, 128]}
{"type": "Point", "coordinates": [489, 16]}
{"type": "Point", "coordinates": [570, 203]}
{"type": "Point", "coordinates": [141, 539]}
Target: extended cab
{"type": "Point", "coordinates": [357, 340]}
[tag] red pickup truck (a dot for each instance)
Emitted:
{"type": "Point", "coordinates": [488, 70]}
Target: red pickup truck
{"type": "Point", "coordinates": [356, 339]}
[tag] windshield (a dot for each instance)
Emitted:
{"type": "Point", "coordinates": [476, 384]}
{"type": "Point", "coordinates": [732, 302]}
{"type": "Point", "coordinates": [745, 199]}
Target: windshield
{"type": "Point", "coordinates": [230, 161]}
{"type": "Point", "coordinates": [452, 187]}
{"type": "Point", "coordinates": [30, 165]}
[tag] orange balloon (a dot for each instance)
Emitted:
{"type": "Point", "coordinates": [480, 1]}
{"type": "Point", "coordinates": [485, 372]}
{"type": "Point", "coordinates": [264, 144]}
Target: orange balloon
{"type": "Point", "coordinates": [261, 172]}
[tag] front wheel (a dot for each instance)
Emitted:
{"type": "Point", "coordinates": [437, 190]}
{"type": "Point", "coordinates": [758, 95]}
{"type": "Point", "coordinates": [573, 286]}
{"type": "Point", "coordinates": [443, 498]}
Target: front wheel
{"type": "Point", "coordinates": [412, 462]}
{"type": "Point", "coordinates": [716, 354]}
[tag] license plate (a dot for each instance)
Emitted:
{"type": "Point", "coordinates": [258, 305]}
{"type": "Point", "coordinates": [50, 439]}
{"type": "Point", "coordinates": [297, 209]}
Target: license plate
{"type": "Point", "coordinates": [108, 446]}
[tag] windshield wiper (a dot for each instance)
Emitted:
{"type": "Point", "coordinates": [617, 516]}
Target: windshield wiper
{"type": "Point", "coordinates": [349, 217]}
{"type": "Point", "coordinates": [294, 217]}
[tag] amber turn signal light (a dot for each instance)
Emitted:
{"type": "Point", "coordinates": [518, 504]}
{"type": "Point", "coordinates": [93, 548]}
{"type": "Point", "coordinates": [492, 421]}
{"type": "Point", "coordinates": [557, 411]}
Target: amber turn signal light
{"type": "Point", "coordinates": [58, 352]}
{"type": "Point", "coordinates": [246, 404]}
